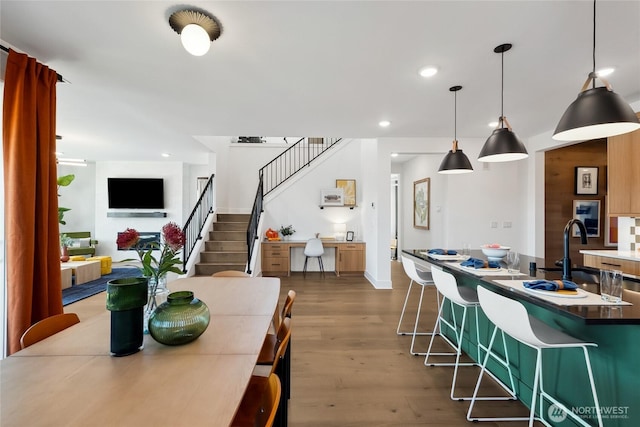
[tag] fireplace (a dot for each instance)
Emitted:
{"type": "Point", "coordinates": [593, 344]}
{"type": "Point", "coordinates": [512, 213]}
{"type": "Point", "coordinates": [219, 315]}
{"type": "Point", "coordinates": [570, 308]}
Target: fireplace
{"type": "Point", "coordinates": [147, 241]}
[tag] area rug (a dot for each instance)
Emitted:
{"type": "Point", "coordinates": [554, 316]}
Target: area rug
{"type": "Point", "coordinates": [85, 290]}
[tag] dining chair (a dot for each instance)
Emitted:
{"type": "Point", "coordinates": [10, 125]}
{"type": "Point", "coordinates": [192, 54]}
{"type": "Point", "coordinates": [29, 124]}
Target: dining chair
{"type": "Point", "coordinates": [313, 249]}
{"type": "Point", "coordinates": [465, 299]}
{"type": "Point", "coordinates": [511, 316]}
{"type": "Point", "coordinates": [275, 356]}
{"type": "Point", "coordinates": [422, 278]}
{"type": "Point", "coordinates": [47, 327]}
{"type": "Point", "coordinates": [230, 273]}
{"type": "Point", "coordinates": [278, 316]}
{"type": "Point", "coordinates": [260, 402]}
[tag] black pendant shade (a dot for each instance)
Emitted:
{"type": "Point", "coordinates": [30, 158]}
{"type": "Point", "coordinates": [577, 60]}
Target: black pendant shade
{"type": "Point", "coordinates": [502, 145]}
{"type": "Point", "coordinates": [596, 113]}
{"type": "Point", "coordinates": [455, 161]}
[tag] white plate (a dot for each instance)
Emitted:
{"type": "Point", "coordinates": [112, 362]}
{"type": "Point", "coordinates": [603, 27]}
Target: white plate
{"type": "Point", "coordinates": [443, 257]}
{"type": "Point", "coordinates": [581, 293]}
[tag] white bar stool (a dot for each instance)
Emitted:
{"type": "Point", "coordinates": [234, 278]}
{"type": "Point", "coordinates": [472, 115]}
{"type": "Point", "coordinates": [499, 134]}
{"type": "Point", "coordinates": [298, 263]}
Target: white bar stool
{"type": "Point", "coordinates": [422, 278]}
{"type": "Point", "coordinates": [511, 317]}
{"type": "Point", "coordinates": [465, 298]}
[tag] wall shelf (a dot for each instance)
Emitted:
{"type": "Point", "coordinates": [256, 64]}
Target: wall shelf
{"type": "Point", "coordinates": [136, 214]}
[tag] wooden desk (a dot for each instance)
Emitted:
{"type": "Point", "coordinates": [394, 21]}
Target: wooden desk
{"type": "Point", "coordinates": [70, 379]}
{"type": "Point", "coordinates": [276, 257]}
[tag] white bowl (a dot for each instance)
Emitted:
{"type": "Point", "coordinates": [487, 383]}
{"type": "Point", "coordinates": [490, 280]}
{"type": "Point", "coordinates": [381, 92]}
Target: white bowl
{"type": "Point", "coordinates": [495, 254]}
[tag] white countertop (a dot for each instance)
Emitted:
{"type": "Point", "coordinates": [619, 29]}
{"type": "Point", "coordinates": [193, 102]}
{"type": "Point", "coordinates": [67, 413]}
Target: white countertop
{"type": "Point", "coordinates": [628, 255]}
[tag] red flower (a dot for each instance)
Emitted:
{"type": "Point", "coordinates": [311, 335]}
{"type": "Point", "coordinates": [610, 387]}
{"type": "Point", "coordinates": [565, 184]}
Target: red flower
{"type": "Point", "coordinates": [173, 236]}
{"type": "Point", "coordinates": [128, 238]}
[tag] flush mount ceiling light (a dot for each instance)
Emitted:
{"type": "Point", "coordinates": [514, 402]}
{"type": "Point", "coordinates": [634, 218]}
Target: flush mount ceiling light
{"type": "Point", "coordinates": [503, 145]}
{"type": "Point", "coordinates": [598, 112]}
{"type": "Point", "coordinates": [197, 30]}
{"type": "Point", "coordinates": [455, 161]}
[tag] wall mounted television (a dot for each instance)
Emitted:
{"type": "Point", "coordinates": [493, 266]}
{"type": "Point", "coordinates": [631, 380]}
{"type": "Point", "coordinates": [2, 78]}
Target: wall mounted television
{"type": "Point", "coordinates": [135, 193]}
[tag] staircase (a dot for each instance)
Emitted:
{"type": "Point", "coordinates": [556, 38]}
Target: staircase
{"type": "Point", "coordinates": [226, 247]}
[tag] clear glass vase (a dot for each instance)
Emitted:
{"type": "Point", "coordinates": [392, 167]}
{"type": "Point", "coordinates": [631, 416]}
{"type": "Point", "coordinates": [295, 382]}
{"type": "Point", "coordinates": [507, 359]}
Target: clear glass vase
{"type": "Point", "coordinates": [157, 294]}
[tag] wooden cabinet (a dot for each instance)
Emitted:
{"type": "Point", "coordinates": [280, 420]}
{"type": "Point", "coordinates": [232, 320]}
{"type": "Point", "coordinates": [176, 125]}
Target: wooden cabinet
{"type": "Point", "coordinates": [623, 174]}
{"type": "Point", "coordinates": [352, 259]}
{"type": "Point", "coordinates": [275, 259]}
{"type": "Point", "coordinates": [607, 263]}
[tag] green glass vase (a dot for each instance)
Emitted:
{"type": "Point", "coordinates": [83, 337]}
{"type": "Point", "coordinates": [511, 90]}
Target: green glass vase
{"type": "Point", "coordinates": [179, 320]}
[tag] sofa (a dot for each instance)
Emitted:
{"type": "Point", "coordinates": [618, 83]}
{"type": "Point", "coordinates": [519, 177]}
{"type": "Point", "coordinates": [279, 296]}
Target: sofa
{"type": "Point", "coordinates": [81, 243]}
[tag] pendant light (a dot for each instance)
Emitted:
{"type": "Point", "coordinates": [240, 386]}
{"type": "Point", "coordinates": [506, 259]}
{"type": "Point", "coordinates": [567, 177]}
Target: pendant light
{"type": "Point", "coordinates": [503, 145]}
{"type": "Point", "coordinates": [455, 161]}
{"type": "Point", "coordinates": [598, 112]}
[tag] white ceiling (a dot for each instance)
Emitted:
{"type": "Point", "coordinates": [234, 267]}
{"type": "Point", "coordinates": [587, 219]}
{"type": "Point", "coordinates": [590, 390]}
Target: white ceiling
{"type": "Point", "coordinates": [314, 68]}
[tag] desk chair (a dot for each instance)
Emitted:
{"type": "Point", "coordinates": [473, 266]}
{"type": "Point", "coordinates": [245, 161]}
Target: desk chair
{"type": "Point", "coordinates": [423, 279]}
{"type": "Point", "coordinates": [465, 298]}
{"type": "Point", "coordinates": [259, 403]}
{"type": "Point", "coordinates": [230, 273]}
{"type": "Point", "coordinates": [511, 316]}
{"type": "Point", "coordinates": [313, 249]}
{"type": "Point", "coordinates": [47, 327]}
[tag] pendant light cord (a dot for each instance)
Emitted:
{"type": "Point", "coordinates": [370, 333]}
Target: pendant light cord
{"type": "Point", "coordinates": [502, 93]}
{"type": "Point", "coordinates": [594, 44]}
{"type": "Point", "coordinates": [455, 116]}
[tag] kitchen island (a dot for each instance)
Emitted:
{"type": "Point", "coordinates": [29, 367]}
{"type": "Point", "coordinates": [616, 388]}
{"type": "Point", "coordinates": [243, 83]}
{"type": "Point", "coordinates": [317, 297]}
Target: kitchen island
{"type": "Point", "coordinates": [615, 328]}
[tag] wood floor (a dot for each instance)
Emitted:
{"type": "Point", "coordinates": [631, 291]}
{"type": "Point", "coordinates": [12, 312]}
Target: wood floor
{"type": "Point", "coordinates": [349, 368]}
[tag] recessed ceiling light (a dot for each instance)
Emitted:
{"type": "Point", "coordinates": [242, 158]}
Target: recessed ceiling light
{"type": "Point", "coordinates": [394, 154]}
{"type": "Point", "coordinates": [604, 72]}
{"type": "Point", "coordinates": [384, 123]}
{"type": "Point", "coordinates": [166, 155]}
{"type": "Point", "coordinates": [492, 124]}
{"type": "Point", "coordinates": [429, 71]}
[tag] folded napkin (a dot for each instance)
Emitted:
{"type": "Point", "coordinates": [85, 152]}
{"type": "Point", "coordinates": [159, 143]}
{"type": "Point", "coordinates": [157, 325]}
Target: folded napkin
{"type": "Point", "coordinates": [442, 252]}
{"type": "Point", "coordinates": [480, 263]}
{"type": "Point", "coordinates": [550, 285]}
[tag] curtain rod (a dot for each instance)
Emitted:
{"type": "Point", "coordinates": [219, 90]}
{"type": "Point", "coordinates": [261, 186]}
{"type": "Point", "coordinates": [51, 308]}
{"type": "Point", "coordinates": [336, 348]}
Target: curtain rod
{"type": "Point", "coordinates": [6, 49]}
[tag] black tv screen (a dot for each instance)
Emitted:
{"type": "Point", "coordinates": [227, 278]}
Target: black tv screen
{"type": "Point", "coordinates": [135, 193]}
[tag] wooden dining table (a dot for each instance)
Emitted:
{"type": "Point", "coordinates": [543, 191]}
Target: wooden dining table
{"type": "Point", "coordinates": [70, 378]}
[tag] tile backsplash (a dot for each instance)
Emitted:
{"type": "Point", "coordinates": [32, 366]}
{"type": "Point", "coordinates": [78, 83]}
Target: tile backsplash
{"type": "Point", "coordinates": [628, 234]}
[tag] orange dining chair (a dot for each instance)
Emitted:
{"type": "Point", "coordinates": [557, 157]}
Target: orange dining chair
{"type": "Point", "coordinates": [230, 273]}
{"type": "Point", "coordinates": [47, 327]}
{"type": "Point", "coordinates": [275, 356]}
{"type": "Point", "coordinates": [260, 402]}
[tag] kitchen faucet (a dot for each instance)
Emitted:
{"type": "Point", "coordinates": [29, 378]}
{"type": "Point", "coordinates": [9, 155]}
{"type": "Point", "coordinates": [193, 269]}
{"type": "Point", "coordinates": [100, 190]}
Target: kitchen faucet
{"type": "Point", "coordinates": [566, 261]}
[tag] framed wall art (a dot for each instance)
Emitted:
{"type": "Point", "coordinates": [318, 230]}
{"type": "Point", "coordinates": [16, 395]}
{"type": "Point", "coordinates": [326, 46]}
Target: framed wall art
{"type": "Point", "coordinates": [332, 197]}
{"type": "Point", "coordinates": [349, 189]}
{"type": "Point", "coordinates": [586, 180]}
{"type": "Point", "coordinates": [587, 211]}
{"type": "Point", "coordinates": [421, 196]}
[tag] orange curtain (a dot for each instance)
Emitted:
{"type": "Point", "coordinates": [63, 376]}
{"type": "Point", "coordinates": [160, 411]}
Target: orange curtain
{"type": "Point", "coordinates": [34, 288]}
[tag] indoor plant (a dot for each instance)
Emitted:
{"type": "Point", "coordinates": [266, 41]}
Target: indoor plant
{"type": "Point", "coordinates": [65, 242]}
{"type": "Point", "coordinates": [287, 231]}
{"type": "Point", "coordinates": [156, 269]}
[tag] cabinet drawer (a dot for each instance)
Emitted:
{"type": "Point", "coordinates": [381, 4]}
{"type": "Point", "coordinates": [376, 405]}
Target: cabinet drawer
{"type": "Point", "coordinates": [276, 253]}
{"type": "Point", "coordinates": [352, 247]}
{"type": "Point", "coordinates": [606, 263]}
{"type": "Point", "coordinates": [275, 263]}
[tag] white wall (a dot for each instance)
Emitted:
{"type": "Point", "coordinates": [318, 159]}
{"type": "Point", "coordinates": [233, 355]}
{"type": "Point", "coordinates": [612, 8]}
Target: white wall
{"type": "Point", "coordinates": [462, 206]}
{"type": "Point", "coordinates": [80, 197]}
{"type": "Point", "coordinates": [106, 228]}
